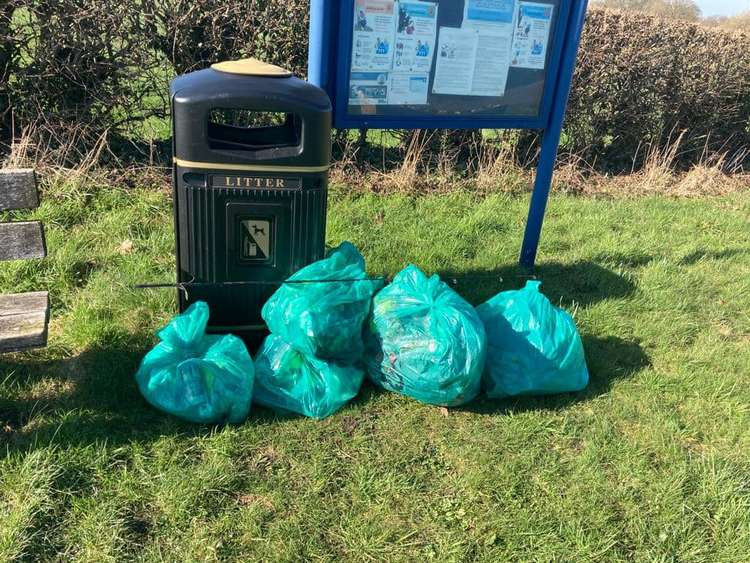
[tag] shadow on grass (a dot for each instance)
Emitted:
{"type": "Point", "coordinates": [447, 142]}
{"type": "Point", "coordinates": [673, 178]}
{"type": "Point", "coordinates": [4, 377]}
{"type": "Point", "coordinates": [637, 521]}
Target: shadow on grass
{"type": "Point", "coordinates": [608, 359]}
{"type": "Point", "coordinates": [584, 283]}
{"type": "Point", "coordinates": [92, 397]}
{"type": "Point", "coordinates": [86, 399]}
{"type": "Point", "coordinates": [697, 256]}
{"type": "Point", "coordinates": [97, 400]}
{"type": "Point", "coordinates": [630, 260]}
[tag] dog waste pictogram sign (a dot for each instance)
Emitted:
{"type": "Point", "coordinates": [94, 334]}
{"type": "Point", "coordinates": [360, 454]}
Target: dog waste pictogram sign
{"type": "Point", "coordinates": [256, 239]}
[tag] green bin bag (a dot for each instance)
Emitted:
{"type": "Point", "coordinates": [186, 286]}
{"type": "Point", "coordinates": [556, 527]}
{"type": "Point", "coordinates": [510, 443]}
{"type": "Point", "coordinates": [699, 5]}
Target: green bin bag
{"type": "Point", "coordinates": [289, 380]}
{"type": "Point", "coordinates": [197, 376]}
{"type": "Point", "coordinates": [425, 341]}
{"type": "Point", "coordinates": [533, 347]}
{"type": "Point", "coordinates": [325, 319]}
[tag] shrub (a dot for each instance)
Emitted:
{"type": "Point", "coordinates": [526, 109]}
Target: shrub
{"type": "Point", "coordinates": [75, 71]}
{"type": "Point", "coordinates": [641, 82]}
{"type": "Point", "coordinates": [197, 33]}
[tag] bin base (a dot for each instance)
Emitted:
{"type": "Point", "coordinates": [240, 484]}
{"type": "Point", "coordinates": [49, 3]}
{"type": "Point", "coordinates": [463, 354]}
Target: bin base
{"type": "Point", "coordinates": [252, 337]}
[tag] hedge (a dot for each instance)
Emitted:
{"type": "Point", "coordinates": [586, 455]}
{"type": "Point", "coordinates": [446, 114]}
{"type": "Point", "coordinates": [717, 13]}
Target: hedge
{"type": "Point", "coordinates": [642, 81]}
{"type": "Point", "coordinates": [74, 71]}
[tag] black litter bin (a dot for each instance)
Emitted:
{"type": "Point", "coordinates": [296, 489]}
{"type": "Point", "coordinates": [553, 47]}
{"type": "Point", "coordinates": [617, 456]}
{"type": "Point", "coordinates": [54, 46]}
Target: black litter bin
{"type": "Point", "coordinates": [251, 154]}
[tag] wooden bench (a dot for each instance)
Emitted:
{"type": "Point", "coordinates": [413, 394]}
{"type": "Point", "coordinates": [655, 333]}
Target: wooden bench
{"type": "Point", "coordinates": [23, 316]}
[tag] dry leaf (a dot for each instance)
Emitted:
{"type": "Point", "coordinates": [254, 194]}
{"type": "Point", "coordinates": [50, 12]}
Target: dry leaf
{"type": "Point", "coordinates": [126, 247]}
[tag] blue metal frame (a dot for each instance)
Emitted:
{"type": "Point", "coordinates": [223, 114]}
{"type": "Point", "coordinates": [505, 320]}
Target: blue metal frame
{"type": "Point", "coordinates": [329, 68]}
{"type": "Point", "coordinates": [323, 26]}
{"type": "Point", "coordinates": [551, 136]}
{"type": "Point", "coordinates": [342, 61]}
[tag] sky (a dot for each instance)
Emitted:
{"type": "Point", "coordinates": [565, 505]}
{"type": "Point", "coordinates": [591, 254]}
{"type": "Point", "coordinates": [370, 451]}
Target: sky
{"type": "Point", "coordinates": [723, 7]}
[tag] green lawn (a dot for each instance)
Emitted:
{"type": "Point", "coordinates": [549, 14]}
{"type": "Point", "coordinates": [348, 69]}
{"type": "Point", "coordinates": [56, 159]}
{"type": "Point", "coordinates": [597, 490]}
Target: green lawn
{"type": "Point", "coordinates": [650, 463]}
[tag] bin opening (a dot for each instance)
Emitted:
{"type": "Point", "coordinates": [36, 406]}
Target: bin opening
{"type": "Point", "coordinates": [248, 130]}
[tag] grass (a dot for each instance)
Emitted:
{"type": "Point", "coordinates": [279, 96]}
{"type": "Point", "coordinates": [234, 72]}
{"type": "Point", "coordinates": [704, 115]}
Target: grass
{"type": "Point", "coordinates": [650, 463]}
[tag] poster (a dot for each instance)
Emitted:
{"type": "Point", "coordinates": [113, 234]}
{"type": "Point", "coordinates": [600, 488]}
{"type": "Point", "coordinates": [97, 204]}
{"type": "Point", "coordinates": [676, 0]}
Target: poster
{"type": "Point", "coordinates": [374, 34]}
{"type": "Point", "coordinates": [493, 21]}
{"type": "Point", "coordinates": [531, 35]}
{"type": "Point", "coordinates": [400, 56]}
{"type": "Point", "coordinates": [415, 36]}
{"type": "Point", "coordinates": [492, 64]}
{"type": "Point", "coordinates": [408, 88]}
{"type": "Point", "coordinates": [490, 12]}
{"type": "Point", "coordinates": [455, 59]}
{"type": "Point", "coordinates": [368, 88]}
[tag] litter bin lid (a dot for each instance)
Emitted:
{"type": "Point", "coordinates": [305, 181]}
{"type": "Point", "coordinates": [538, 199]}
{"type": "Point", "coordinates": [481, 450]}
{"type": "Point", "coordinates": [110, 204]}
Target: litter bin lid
{"type": "Point", "coordinates": [251, 67]}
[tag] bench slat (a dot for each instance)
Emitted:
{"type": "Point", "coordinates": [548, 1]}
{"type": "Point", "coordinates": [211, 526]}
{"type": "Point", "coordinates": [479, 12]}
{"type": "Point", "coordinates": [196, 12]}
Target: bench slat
{"type": "Point", "coordinates": [18, 189]}
{"type": "Point", "coordinates": [22, 240]}
{"type": "Point", "coordinates": [24, 318]}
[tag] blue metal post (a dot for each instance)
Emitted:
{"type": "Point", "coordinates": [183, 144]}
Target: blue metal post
{"type": "Point", "coordinates": [319, 39]}
{"type": "Point", "coordinates": [551, 138]}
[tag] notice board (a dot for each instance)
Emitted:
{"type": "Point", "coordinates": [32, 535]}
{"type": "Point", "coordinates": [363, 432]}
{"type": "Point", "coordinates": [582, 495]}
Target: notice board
{"type": "Point", "coordinates": [445, 63]}
{"type": "Point", "coordinates": [457, 64]}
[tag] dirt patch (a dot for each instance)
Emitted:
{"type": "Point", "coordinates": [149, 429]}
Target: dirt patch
{"type": "Point", "coordinates": [699, 182]}
{"type": "Point", "coordinates": [12, 420]}
{"type": "Point", "coordinates": [264, 460]}
{"type": "Point", "coordinates": [707, 181]}
{"type": "Point", "coordinates": [570, 178]}
{"type": "Point", "coordinates": [249, 499]}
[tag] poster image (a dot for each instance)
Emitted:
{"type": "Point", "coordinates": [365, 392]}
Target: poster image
{"type": "Point", "coordinates": [492, 64]}
{"type": "Point", "coordinates": [374, 34]}
{"type": "Point", "coordinates": [497, 12]}
{"type": "Point", "coordinates": [493, 21]}
{"type": "Point", "coordinates": [408, 88]}
{"type": "Point", "coordinates": [415, 36]}
{"type": "Point", "coordinates": [411, 53]}
{"type": "Point", "coordinates": [531, 35]}
{"type": "Point", "coordinates": [455, 60]}
{"type": "Point", "coordinates": [368, 88]}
